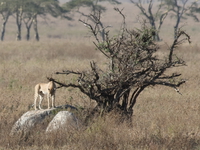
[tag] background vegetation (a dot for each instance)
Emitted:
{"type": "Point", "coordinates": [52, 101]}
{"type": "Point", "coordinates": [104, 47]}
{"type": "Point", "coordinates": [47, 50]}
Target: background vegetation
{"type": "Point", "coordinates": [162, 118]}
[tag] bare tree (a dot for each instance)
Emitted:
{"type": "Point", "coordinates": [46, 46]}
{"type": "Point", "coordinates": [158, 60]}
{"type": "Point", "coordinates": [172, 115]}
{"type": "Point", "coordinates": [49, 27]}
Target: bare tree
{"type": "Point", "coordinates": [181, 9]}
{"type": "Point", "coordinates": [132, 66]}
{"type": "Point", "coordinates": [158, 15]}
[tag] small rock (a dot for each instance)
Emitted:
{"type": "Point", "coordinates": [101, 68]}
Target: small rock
{"type": "Point", "coordinates": [63, 120]}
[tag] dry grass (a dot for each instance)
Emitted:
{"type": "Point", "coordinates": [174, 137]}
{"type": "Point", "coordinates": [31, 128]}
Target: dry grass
{"type": "Point", "coordinates": [162, 118]}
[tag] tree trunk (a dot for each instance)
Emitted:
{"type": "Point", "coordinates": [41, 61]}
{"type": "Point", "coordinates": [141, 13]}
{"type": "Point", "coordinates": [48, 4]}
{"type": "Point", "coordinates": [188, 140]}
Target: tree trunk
{"type": "Point", "coordinates": [28, 23]}
{"type": "Point", "coordinates": [178, 15]}
{"type": "Point", "coordinates": [5, 20]}
{"type": "Point", "coordinates": [3, 30]}
{"type": "Point", "coordinates": [19, 32]}
{"type": "Point", "coordinates": [36, 28]}
{"type": "Point", "coordinates": [19, 24]}
{"type": "Point", "coordinates": [156, 37]}
{"type": "Point", "coordinates": [176, 27]}
{"type": "Point", "coordinates": [28, 33]}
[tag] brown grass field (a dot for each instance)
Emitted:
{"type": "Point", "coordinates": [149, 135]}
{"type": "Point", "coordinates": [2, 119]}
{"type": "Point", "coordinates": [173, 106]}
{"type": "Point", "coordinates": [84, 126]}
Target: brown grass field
{"type": "Point", "coordinates": [162, 118]}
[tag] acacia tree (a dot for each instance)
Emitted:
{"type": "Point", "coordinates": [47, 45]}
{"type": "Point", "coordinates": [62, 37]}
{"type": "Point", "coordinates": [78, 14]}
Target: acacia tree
{"type": "Point", "coordinates": [5, 11]}
{"type": "Point", "coordinates": [36, 8]}
{"type": "Point", "coordinates": [19, 10]}
{"type": "Point", "coordinates": [132, 66]}
{"type": "Point", "coordinates": [29, 17]}
{"type": "Point", "coordinates": [153, 14]}
{"type": "Point", "coordinates": [11, 7]}
{"type": "Point", "coordinates": [28, 11]}
{"type": "Point", "coordinates": [181, 9]}
{"type": "Point", "coordinates": [96, 9]}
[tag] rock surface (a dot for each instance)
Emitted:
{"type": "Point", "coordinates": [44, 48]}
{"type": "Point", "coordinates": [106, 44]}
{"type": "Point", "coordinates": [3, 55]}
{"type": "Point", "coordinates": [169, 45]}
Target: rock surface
{"type": "Point", "coordinates": [64, 120]}
{"type": "Point", "coordinates": [29, 120]}
{"type": "Point", "coordinates": [37, 117]}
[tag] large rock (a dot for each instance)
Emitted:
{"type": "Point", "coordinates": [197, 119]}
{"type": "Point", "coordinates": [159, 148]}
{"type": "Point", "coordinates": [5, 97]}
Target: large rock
{"type": "Point", "coordinates": [36, 117]}
{"type": "Point", "coordinates": [28, 120]}
{"type": "Point", "coordinates": [64, 120]}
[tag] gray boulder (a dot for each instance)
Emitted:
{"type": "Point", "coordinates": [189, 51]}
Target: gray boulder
{"type": "Point", "coordinates": [28, 120]}
{"type": "Point", "coordinates": [64, 120]}
{"type": "Point", "coordinates": [37, 117]}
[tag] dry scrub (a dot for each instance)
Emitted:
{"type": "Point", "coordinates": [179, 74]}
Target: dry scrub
{"type": "Point", "coordinates": [162, 118]}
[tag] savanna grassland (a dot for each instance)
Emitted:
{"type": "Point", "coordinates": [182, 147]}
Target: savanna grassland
{"type": "Point", "coordinates": [163, 119]}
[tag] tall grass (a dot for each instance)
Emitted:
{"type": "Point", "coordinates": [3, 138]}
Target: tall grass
{"type": "Point", "coordinates": [163, 119]}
